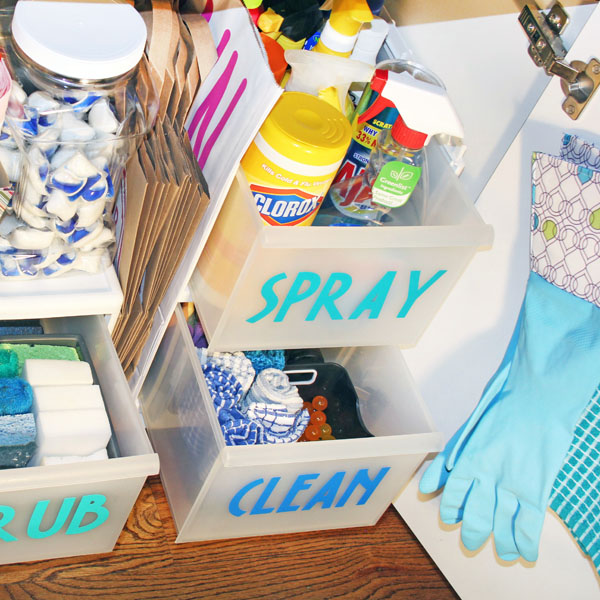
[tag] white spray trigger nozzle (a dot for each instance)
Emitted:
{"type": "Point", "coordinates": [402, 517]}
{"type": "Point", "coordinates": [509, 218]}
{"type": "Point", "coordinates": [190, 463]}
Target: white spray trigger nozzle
{"type": "Point", "coordinates": [424, 107]}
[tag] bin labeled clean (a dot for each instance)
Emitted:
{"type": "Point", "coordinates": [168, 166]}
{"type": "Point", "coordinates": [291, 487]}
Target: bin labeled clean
{"type": "Point", "coordinates": [217, 491]}
{"type": "Point", "coordinates": [79, 508]}
{"type": "Point", "coordinates": [258, 286]}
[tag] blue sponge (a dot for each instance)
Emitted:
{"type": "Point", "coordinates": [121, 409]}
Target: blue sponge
{"type": "Point", "coordinates": [16, 396]}
{"type": "Point", "coordinates": [17, 440]}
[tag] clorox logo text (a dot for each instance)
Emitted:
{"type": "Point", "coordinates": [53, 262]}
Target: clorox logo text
{"type": "Point", "coordinates": [284, 207]}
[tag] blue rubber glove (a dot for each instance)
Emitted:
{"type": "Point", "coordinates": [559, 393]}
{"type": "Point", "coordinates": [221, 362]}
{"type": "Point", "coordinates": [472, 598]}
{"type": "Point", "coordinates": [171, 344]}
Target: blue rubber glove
{"type": "Point", "coordinates": [499, 467]}
{"type": "Point", "coordinates": [436, 475]}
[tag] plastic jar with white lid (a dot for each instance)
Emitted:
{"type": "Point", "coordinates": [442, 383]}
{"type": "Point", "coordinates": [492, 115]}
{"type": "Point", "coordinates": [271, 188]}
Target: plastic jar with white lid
{"type": "Point", "coordinates": [81, 101]}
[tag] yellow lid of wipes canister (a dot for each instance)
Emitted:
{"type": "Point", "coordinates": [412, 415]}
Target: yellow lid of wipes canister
{"type": "Point", "coordinates": [294, 158]}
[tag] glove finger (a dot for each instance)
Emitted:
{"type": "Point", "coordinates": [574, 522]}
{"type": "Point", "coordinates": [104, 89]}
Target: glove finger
{"type": "Point", "coordinates": [507, 506]}
{"type": "Point", "coordinates": [528, 529]}
{"type": "Point", "coordinates": [478, 515]}
{"type": "Point", "coordinates": [435, 475]}
{"type": "Point", "coordinates": [453, 499]}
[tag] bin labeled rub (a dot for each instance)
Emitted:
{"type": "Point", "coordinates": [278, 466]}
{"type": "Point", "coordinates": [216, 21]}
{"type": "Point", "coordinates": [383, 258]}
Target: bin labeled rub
{"type": "Point", "coordinates": [294, 158]}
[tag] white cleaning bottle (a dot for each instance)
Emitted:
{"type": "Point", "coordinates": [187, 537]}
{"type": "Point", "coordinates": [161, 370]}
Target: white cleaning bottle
{"type": "Point", "coordinates": [393, 190]}
{"type": "Point", "coordinates": [325, 75]}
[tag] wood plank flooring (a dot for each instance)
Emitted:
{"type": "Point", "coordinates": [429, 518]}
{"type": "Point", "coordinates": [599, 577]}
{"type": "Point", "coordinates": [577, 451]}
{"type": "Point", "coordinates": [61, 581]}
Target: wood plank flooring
{"type": "Point", "coordinates": [374, 563]}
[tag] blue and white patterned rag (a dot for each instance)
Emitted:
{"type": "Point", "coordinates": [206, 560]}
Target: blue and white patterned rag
{"type": "Point", "coordinates": [273, 386]}
{"type": "Point", "coordinates": [260, 425]}
{"type": "Point", "coordinates": [278, 421]}
{"type": "Point", "coordinates": [236, 363]}
{"type": "Point", "coordinates": [575, 495]}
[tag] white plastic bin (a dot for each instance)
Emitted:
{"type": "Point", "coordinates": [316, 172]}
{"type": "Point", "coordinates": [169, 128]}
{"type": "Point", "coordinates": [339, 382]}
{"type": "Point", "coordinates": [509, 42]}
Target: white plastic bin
{"type": "Point", "coordinates": [79, 508]}
{"type": "Point", "coordinates": [259, 287]}
{"type": "Point", "coordinates": [217, 491]}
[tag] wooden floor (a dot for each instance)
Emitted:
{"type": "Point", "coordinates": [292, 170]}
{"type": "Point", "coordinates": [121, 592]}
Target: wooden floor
{"type": "Point", "coordinates": [385, 561]}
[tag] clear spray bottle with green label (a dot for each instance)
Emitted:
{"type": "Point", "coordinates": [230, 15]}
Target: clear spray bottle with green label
{"type": "Point", "coordinates": [393, 190]}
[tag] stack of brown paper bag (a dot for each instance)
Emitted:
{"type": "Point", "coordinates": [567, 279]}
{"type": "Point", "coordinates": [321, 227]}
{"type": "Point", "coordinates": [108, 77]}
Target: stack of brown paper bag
{"type": "Point", "coordinates": [166, 194]}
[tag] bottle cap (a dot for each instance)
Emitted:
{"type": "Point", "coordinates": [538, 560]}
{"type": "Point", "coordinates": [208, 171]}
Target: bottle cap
{"type": "Point", "coordinates": [81, 40]}
{"type": "Point", "coordinates": [340, 32]}
{"type": "Point", "coordinates": [409, 138]}
{"type": "Point", "coordinates": [369, 41]}
{"type": "Point", "coordinates": [307, 129]}
{"type": "Point", "coordinates": [251, 4]}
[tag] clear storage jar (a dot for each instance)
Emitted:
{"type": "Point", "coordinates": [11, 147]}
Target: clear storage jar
{"type": "Point", "coordinates": [81, 101]}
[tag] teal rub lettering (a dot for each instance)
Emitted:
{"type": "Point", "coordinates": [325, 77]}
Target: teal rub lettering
{"type": "Point", "coordinates": [294, 499]}
{"type": "Point", "coordinates": [34, 528]}
{"type": "Point", "coordinates": [89, 504]}
{"type": "Point", "coordinates": [8, 514]}
{"type": "Point", "coordinates": [307, 283]}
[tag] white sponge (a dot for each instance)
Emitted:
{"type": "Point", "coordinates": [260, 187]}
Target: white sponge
{"type": "Point", "coordinates": [72, 432]}
{"type": "Point", "coordinates": [45, 371]}
{"type": "Point", "coordinates": [66, 397]}
{"type": "Point", "coordinates": [60, 460]}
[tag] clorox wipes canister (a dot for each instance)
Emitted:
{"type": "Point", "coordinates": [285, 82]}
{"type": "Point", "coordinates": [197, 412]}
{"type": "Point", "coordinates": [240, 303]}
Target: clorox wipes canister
{"type": "Point", "coordinates": [294, 158]}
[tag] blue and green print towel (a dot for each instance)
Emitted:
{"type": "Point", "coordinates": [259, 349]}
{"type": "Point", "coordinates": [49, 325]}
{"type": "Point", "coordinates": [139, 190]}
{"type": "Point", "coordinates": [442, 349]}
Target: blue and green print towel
{"type": "Point", "coordinates": [565, 249]}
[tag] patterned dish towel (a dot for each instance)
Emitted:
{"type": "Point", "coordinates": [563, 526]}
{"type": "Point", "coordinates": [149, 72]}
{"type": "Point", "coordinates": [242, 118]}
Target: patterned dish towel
{"type": "Point", "coordinates": [575, 496]}
{"type": "Point", "coordinates": [258, 422]}
{"type": "Point", "coordinates": [273, 386]}
{"type": "Point", "coordinates": [236, 363]}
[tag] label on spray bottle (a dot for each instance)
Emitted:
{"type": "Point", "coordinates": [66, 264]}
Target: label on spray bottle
{"type": "Point", "coordinates": [395, 184]}
{"type": "Point", "coordinates": [364, 139]}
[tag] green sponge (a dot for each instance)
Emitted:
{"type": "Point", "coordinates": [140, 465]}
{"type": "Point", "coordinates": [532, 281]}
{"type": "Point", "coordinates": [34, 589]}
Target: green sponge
{"type": "Point", "coordinates": [25, 351]}
{"type": "Point", "coordinates": [9, 363]}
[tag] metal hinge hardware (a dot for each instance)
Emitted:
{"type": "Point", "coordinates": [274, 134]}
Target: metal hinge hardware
{"type": "Point", "coordinates": [579, 80]}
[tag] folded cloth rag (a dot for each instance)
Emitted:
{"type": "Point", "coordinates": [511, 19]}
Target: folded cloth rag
{"type": "Point", "coordinates": [226, 391]}
{"type": "Point", "coordinates": [236, 363]}
{"type": "Point", "coordinates": [9, 363]}
{"type": "Point", "coordinates": [273, 386]}
{"type": "Point", "coordinates": [280, 424]}
{"type": "Point", "coordinates": [17, 440]}
{"type": "Point", "coordinates": [16, 396]}
{"type": "Point", "coordinates": [260, 425]}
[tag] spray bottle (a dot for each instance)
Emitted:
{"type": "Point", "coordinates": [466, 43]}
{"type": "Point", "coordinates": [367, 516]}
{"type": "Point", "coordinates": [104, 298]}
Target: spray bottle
{"type": "Point", "coordinates": [341, 30]}
{"type": "Point", "coordinates": [366, 131]}
{"type": "Point", "coordinates": [325, 76]}
{"type": "Point", "coordinates": [393, 189]}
